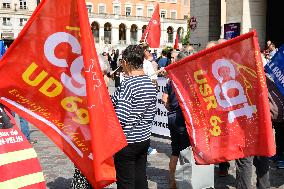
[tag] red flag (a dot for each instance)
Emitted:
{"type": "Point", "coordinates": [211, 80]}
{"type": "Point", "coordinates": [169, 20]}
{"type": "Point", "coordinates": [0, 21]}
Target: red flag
{"type": "Point", "coordinates": [58, 86]}
{"type": "Point", "coordinates": [152, 33]}
{"type": "Point", "coordinates": [223, 94]}
{"type": "Point", "coordinates": [176, 42]}
{"type": "Point", "coordinates": [19, 165]}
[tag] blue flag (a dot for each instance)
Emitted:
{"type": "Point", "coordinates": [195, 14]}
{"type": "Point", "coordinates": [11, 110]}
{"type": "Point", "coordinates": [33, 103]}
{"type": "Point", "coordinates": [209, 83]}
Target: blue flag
{"type": "Point", "coordinates": [275, 68]}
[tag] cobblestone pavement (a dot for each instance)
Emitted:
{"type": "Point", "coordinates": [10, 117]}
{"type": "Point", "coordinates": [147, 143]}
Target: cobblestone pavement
{"type": "Point", "coordinates": [58, 169]}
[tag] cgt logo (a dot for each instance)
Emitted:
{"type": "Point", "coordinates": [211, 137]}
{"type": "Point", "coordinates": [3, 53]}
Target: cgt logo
{"type": "Point", "coordinates": [227, 81]}
{"type": "Point", "coordinates": [77, 65]}
{"type": "Point", "coordinates": [155, 22]}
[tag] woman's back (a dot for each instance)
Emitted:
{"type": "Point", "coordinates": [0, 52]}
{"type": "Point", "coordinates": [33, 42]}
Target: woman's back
{"type": "Point", "coordinates": [135, 105]}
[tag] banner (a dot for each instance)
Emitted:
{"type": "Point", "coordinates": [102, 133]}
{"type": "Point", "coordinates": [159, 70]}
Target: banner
{"type": "Point", "coordinates": [19, 165]}
{"type": "Point", "coordinates": [176, 42]}
{"type": "Point", "coordinates": [152, 33]}
{"type": "Point", "coordinates": [223, 95]}
{"type": "Point", "coordinates": [275, 68]}
{"type": "Point", "coordinates": [160, 123]}
{"type": "Point", "coordinates": [51, 77]}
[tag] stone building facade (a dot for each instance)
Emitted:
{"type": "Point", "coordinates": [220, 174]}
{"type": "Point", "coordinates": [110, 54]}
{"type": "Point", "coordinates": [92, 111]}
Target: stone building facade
{"type": "Point", "coordinates": [211, 16]}
{"type": "Point", "coordinates": [114, 24]}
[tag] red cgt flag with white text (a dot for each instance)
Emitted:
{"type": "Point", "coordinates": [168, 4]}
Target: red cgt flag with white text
{"type": "Point", "coordinates": [152, 33]}
{"type": "Point", "coordinates": [223, 95]}
{"type": "Point", "coordinates": [51, 76]}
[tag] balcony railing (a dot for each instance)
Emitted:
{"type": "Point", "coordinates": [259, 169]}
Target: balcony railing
{"type": "Point", "coordinates": [133, 18]}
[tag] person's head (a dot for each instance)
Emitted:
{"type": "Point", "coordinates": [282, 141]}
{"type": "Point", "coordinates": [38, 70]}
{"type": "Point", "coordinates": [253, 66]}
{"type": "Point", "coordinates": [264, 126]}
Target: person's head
{"type": "Point", "coordinates": [182, 54]}
{"type": "Point", "coordinates": [189, 48]}
{"type": "Point", "coordinates": [211, 44]}
{"type": "Point", "coordinates": [221, 40]}
{"type": "Point", "coordinates": [104, 64]}
{"type": "Point", "coordinates": [271, 47]}
{"type": "Point", "coordinates": [105, 55]}
{"type": "Point", "coordinates": [174, 54]}
{"type": "Point", "coordinates": [164, 53]}
{"type": "Point", "coordinates": [268, 43]}
{"type": "Point", "coordinates": [133, 57]}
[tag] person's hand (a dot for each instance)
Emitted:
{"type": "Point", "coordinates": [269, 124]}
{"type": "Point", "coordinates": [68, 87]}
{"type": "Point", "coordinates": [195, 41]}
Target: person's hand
{"type": "Point", "coordinates": [106, 79]}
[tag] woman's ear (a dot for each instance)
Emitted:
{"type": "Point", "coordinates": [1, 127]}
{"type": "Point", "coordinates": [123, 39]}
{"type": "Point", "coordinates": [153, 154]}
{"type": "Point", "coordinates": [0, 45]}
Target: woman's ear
{"type": "Point", "coordinates": [125, 67]}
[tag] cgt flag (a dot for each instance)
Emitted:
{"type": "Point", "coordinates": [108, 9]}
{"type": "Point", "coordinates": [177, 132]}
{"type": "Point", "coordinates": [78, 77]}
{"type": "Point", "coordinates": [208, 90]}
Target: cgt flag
{"type": "Point", "coordinates": [152, 33]}
{"type": "Point", "coordinates": [223, 94]}
{"type": "Point", "coordinates": [52, 78]}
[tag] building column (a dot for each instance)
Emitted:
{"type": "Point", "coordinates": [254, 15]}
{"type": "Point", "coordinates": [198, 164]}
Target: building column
{"type": "Point", "coordinates": [200, 10]}
{"type": "Point", "coordinates": [251, 15]}
{"type": "Point", "coordinates": [174, 36]}
{"type": "Point", "coordinates": [101, 35]}
{"type": "Point", "coordinates": [127, 37]}
{"type": "Point", "coordinates": [139, 34]}
{"type": "Point", "coordinates": [114, 36]}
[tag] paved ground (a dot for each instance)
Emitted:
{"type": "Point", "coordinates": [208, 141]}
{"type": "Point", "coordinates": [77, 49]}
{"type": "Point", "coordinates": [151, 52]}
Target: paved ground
{"type": "Point", "coordinates": [58, 169]}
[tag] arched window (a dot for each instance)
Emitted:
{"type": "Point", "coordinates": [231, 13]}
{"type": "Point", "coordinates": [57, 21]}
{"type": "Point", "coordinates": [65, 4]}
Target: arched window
{"type": "Point", "coordinates": [133, 34]}
{"type": "Point", "coordinates": [107, 33]}
{"type": "Point", "coordinates": [122, 34]}
{"type": "Point", "coordinates": [143, 29]}
{"type": "Point", "coordinates": [170, 34]}
{"type": "Point", "coordinates": [96, 31]}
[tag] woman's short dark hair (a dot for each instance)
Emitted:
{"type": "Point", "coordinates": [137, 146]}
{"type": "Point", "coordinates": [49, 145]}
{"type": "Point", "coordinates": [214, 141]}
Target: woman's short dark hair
{"type": "Point", "coordinates": [134, 56]}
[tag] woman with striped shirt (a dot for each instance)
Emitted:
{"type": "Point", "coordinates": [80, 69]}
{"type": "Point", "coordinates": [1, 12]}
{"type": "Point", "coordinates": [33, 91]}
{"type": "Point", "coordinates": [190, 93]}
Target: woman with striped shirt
{"type": "Point", "coordinates": [135, 105]}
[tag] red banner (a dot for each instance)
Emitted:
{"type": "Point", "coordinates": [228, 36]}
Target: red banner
{"type": "Point", "coordinates": [152, 33]}
{"type": "Point", "coordinates": [19, 165]}
{"type": "Point", "coordinates": [223, 94]}
{"type": "Point", "coordinates": [176, 42]}
{"type": "Point", "coordinates": [52, 78]}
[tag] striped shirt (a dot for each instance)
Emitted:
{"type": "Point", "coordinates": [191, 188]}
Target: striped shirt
{"type": "Point", "coordinates": [135, 105]}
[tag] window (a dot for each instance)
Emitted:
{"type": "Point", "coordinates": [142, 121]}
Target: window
{"type": "Point", "coordinates": [89, 8]}
{"type": "Point", "coordinates": [23, 4]}
{"type": "Point", "coordinates": [6, 5]}
{"type": "Point", "coordinates": [23, 21]}
{"type": "Point", "coordinates": [102, 8]}
{"type": "Point", "coordinates": [173, 14]}
{"type": "Point", "coordinates": [163, 13]}
{"type": "Point", "coordinates": [116, 9]}
{"type": "Point", "coordinates": [128, 11]}
{"type": "Point", "coordinates": [139, 11]}
{"type": "Point", "coordinates": [7, 21]}
{"type": "Point", "coordinates": [172, 1]}
{"type": "Point", "coordinates": [170, 34]}
{"type": "Point", "coordinates": [150, 11]}
{"type": "Point", "coordinates": [162, 1]}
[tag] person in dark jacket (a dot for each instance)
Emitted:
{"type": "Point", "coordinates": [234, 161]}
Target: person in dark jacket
{"type": "Point", "coordinates": [177, 127]}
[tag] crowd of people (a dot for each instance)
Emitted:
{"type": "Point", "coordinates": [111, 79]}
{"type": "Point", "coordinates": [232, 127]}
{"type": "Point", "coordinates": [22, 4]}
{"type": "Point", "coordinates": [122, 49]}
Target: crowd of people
{"type": "Point", "coordinates": [135, 71]}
